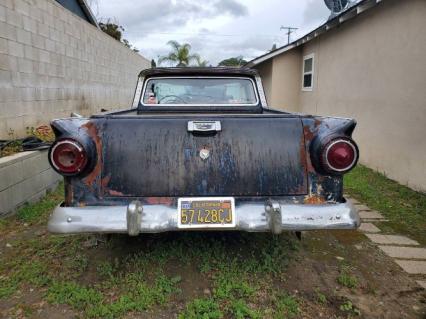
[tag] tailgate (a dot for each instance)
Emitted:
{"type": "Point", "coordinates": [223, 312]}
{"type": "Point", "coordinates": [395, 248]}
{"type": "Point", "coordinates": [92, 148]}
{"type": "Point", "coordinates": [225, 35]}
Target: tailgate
{"type": "Point", "coordinates": [159, 157]}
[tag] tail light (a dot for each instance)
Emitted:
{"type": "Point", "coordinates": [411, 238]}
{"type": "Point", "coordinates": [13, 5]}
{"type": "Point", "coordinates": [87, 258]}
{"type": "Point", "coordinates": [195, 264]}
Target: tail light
{"type": "Point", "coordinates": [339, 156]}
{"type": "Point", "coordinates": [68, 157]}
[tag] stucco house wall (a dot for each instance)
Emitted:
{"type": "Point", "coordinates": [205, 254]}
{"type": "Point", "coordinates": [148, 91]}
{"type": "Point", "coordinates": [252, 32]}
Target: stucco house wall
{"type": "Point", "coordinates": [372, 68]}
{"type": "Point", "coordinates": [281, 78]}
{"type": "Point", "coordinates": [53, 63]}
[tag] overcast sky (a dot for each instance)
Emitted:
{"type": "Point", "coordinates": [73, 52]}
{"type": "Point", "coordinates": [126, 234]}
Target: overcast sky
{"type": "Point", "coordinates": [216, 29]}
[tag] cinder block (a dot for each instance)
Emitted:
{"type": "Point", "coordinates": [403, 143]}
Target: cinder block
{"type": "Point", "coordinates": [35, 165]}
{"type": "Point", "coordinates": [29, 24]}
{"type": "Point", "coordinates": [31, 53]}
{"type": "Point", "coordinates": [49, 177]}
{"type": "Point", "coordinates": [36, 12]}
{"type": "Point", "coordinates": [38, 41]}
{"type": "Point", "coordinates": [4, 62]}
{"type": "Point", "coordinates": [43, 29]}
{"type": "Point", "coordinates": [7, 31]}
{"type": "Point", "coordinates": [36, 197]}
{"type": "Point", "coordinates": [25, 65]}
{"type": "Point", "coordinates": [10, 175]}
{"type": "Point", "coordinates": [6, 95]}
{"type": "Point", "coordinates": [28, 94]}
{"type": "Point", "coordinates": [22, 7]}
{"type": "Point", "coordinates": [15, 123]}
{"type": "Point", "coordinates": [59, 25]}
{"type": "Point", "coordinates": [5, 79]}
{"type": "Point", "coordinates": [44, 56]}
{"type": "Point", "coordinates": [14, 107]}
{"type": "Point", "coordinates": [16, 49]}
{"type": "Point", "coordinates": [10, 198]}
{"type": "Point", "coordinates": [49, 45]}
{"type": "Point", "coordinates": [14, 18]}
{"type": "Point", "coordinates": [3, 46]}
{"type": "Point", "coordinates": [31, 186]}
{"type": "Point", "coordinates": [7, 3]}
{"type": "Point", "coordinates": [23, 36]}
{"type": "Point", "coordinates": [2, 13]}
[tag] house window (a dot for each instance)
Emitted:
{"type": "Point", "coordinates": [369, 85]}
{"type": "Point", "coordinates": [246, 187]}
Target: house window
{"type": "Point", "coordinates": [308, 72]}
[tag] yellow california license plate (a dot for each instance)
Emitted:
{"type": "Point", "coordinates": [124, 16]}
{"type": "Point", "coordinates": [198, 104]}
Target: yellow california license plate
{"type": "Point", "coordinates": [206, 212]}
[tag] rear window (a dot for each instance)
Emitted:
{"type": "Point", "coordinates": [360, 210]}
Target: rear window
{"type": "Point", "coordinates": [199, 91]}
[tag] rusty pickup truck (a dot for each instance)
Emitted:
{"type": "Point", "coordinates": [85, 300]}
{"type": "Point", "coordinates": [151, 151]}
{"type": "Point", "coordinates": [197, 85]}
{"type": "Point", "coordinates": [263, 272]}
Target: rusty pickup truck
{"type": "Point", "coordinates": [201, 150]}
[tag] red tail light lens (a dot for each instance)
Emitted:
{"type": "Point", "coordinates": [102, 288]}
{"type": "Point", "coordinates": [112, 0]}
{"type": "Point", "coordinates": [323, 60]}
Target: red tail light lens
{"type": "Point", "coordinates": [340, 156]}
{"type": "Point", "coordinates": [68, 157]}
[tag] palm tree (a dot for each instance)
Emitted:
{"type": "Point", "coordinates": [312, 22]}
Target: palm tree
{"type": "Point", "coordinates": [202, 63]}
{"type": "Point", "coordinates": [180, 54]}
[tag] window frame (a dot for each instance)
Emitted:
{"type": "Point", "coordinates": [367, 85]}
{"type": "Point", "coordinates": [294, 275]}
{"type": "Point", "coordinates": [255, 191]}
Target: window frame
{"type": "Point", "coordinates": [256, 93]}
{"type": "Point", "coordinates": [312, 72]}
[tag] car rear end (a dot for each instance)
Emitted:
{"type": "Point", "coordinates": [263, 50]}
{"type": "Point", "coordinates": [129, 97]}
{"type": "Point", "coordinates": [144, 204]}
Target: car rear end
{"type": "Point", "coordinates": [143, 172]}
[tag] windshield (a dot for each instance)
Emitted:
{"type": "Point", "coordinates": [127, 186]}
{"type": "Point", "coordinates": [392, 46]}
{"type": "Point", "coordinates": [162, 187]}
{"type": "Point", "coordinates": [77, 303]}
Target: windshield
{"type": "Point", "coordinates": [199, 91]}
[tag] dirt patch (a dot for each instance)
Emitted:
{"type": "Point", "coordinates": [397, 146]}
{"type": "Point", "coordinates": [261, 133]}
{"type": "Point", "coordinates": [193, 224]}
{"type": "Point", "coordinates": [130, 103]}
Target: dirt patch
{"type": "Point", "coordinates": [329, 274]}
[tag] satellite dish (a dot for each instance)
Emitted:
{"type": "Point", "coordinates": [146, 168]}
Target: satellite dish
{"type": "Point", "coordinates": [336, 6]}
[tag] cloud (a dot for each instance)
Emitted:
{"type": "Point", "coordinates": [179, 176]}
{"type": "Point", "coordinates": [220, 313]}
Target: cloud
{"type": "Point", "coordinates": [141, 18]}
{"type": "Point", "coordinates": [216, 29]}
{"type": "Point", "coordinates": [315, 11]}
{"type": "Point", "coordinates": [232, 7]}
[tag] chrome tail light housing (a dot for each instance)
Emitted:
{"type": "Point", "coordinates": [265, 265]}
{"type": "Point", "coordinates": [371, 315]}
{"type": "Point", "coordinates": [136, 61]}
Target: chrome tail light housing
{"type": "Point", "coordinates": [339, 156]}
{"type": "Point", "coordinates": [68, 157]}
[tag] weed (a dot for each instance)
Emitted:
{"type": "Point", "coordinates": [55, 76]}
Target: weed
{"type": "Point", "coordinates": [202, 309]}
{"type": "Point", "coordinates": [232, 285]}
{"type": "Point", "coordinates": [240, 310]}
{"type": "Point", "coordinates": [106, 269]}
{"type": "Point", "coordinates": [70, 293]}
{"type": "Point", "coordinates": [320, 297]}
{"type": "Point", "coordinates": [7, 287]}
{"type": "Point", "coordinates": [349, 308]}
{"type": "Point", "coordinates": [34, 273]}
{"type": "Point", "coordinates": [346, 279]}
{"type": "Point", "coordinates": [286, 306]}
{"type": "Point", "coordinates": [4, 224]}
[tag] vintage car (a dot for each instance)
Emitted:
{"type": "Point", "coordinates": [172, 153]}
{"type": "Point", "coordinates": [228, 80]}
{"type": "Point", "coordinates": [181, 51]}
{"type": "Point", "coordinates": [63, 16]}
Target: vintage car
{"type": "Point", "coordinates": [201, 150]}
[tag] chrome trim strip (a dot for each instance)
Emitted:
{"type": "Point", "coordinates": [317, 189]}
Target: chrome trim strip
{"type": "Point", "coordinates": [261, 91]}
{"type": "Point", "coordinates": [138, 91]}
{"type": "Point", "coordinates": [200, 77]}
{"type": "Point", "coordinates": [249, 216]}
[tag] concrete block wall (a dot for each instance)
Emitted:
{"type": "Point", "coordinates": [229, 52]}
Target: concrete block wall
{"type": "Point", "coordinates": [24, 177]}
{"type": "Point", "coordinates": [53, 63]}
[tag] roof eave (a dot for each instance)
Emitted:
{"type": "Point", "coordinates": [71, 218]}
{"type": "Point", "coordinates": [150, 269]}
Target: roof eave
{"type": "Point", "coordinates": [88, 12]}
{"type": "Point", "coordinates": [349, 14]}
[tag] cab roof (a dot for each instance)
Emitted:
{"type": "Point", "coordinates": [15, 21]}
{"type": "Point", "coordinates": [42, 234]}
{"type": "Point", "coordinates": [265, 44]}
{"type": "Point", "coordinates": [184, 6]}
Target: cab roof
{"type": "Point", "coordinates": [195, 71]}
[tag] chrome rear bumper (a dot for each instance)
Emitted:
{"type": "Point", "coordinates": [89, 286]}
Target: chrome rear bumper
{"type": "Point", "coordinates": [274, 216]}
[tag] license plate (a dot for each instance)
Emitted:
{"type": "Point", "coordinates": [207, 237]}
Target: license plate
{"type": "Point", "coordinates": [197, 212]}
